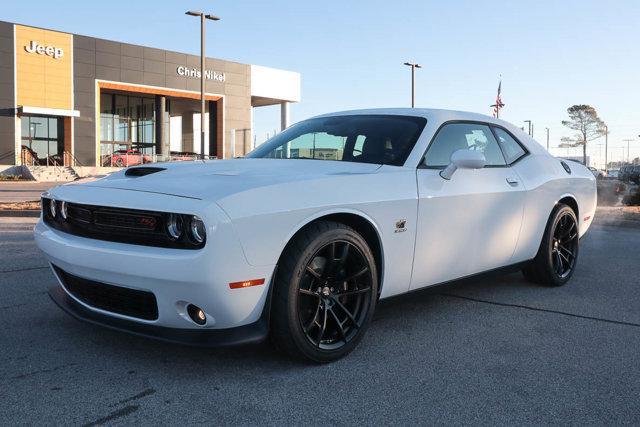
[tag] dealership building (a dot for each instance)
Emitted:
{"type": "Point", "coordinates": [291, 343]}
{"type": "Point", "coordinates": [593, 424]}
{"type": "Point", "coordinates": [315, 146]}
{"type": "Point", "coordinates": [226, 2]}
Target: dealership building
{"type": "Point", "coordinates": [74, 101]}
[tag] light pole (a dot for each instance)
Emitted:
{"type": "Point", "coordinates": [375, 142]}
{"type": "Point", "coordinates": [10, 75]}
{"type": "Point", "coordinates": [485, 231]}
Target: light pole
{"type": "Point", "coordinates": [600, 155]}
{"type": "Point", "coordinates": [547, 138]}
{"type": "Point", "coordinates": [606, 148]}
{"type": "Point", "coordinates": [413, 81]}
{"type": "Point", "coordinates": [628, 141]}
{"type": "Point", "coordinates": [202, 17]}
{"type": "Point", "coordinates": [529, 122]}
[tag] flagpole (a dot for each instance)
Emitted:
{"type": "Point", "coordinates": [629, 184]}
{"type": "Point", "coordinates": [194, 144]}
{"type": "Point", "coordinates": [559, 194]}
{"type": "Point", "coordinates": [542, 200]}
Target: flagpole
{"type": "Point", "coordinates": [498, 104]}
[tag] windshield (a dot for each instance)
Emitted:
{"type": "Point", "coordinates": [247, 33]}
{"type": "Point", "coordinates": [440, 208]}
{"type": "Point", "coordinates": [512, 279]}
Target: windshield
{"type": "Point", "coordinates": [381, 139]}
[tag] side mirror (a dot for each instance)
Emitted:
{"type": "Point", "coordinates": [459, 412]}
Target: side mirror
{"type": "Point", "coordinates": [463, 159]}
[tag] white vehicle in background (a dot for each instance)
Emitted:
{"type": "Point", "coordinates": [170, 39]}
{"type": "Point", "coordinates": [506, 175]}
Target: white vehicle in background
{"type": "Point", "coordinates": [300, 239]}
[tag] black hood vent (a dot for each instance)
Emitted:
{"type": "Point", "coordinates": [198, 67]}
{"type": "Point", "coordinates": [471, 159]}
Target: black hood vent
{"type": "Point", "coordinates": [147, 170]}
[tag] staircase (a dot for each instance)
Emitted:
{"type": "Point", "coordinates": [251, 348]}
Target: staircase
{"type": "Point", "coordinates": [52, 173]}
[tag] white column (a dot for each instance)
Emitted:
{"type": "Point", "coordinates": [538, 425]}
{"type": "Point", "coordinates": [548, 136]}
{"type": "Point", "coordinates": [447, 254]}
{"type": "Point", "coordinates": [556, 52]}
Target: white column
{"type": "Point", "coordinates": [284, 123]}
{"type": "Point", "coordinates": [284, 115]}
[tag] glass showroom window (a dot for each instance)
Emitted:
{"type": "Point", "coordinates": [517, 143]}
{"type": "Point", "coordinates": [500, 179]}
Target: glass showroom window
{"type": "Point", "coordinates": [126, 123]}
{"type": "Point", "coordinates": [42, 140]}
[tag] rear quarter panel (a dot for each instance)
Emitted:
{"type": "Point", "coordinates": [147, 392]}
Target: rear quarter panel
{"type": "Point", "coordinates": [547, 182]}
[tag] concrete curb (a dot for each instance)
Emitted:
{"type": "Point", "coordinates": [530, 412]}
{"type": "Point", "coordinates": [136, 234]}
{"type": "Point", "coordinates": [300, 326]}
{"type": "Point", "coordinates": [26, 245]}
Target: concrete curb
{"type": "Point", "coordinates": [18, 213]}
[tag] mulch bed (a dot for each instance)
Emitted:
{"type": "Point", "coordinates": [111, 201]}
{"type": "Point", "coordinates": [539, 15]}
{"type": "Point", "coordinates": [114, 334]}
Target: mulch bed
{"type": "Point", "coordinates": [19, 206]}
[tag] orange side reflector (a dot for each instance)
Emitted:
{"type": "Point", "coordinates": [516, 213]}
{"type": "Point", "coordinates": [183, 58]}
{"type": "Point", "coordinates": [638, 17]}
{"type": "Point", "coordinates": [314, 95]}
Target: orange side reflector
{"type": "Point", "coordinates": [587, 218]}
{"type": "Point", "coordinates": [246, 283]}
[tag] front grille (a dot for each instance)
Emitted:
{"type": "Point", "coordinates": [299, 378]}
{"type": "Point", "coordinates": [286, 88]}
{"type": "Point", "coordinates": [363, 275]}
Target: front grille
{"type": "Point", "coordinates": [134, 226]}
{"type": "Point", "coordinates": [125, 220]}
{"type": "Point", "coordinates": [115, 299]}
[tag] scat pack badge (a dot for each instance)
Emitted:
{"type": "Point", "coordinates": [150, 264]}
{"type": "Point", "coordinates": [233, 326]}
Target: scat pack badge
{"type": "Point", "coordinates": [400, 226]}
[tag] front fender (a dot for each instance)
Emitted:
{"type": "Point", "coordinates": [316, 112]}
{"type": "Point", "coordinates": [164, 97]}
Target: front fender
{"type": "Point", "coordinates": [264, 229]}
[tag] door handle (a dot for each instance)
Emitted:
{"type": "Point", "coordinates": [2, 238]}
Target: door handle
{"type": "Point", "coordinates": [513, 182]}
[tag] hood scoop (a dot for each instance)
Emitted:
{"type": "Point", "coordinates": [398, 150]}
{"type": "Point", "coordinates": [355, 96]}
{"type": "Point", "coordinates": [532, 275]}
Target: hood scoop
{"type": "Point", "coordinates": [142, 171]}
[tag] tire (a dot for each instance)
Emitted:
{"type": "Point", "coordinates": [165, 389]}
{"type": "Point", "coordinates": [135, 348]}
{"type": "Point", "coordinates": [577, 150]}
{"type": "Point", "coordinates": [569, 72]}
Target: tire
{"type": "Point", "coordinates": [557, 256]}
{"type": "Point", "coordinates": [326, 277]}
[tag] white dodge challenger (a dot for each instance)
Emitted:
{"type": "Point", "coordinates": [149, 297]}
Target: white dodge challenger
{"type": "Point", "coordinates": [298, 240]}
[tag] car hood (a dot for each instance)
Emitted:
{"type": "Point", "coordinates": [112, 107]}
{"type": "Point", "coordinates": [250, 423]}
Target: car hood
{"type": "Point", "coordinates": [215, 179]}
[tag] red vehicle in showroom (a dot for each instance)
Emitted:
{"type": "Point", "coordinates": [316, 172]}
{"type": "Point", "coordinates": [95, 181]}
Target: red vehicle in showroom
{"type": "Point", "coordinates": [123, 158]}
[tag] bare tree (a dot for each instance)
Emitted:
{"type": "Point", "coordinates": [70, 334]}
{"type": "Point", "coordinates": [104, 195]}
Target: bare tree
{"type": "Point", "coordinates": [588, 126]}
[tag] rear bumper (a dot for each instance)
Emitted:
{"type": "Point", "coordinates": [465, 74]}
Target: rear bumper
{"type": "Point", "coordinates": [253, 333]}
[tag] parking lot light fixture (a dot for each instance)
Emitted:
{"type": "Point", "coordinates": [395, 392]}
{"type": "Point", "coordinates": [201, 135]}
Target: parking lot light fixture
{"type": "Point", "coordinates": [413, 81]}
{"type": "Point", "coordinates": [202, 17]}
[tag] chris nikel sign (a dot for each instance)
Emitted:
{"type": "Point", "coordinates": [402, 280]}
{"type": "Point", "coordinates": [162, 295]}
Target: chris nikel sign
{"type": "Point", "coordinates": [37, 48]}
{"type": "Point", "coordinates": [194, 72]}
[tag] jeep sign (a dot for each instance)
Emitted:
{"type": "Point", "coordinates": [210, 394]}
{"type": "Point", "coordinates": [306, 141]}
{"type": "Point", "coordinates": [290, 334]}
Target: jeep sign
{"type": "Point", "coordinates": [52, 51]}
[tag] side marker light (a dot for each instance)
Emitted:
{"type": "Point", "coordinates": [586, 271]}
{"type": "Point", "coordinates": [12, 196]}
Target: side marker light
{"type": "Point", "coordinates": [246, 283]}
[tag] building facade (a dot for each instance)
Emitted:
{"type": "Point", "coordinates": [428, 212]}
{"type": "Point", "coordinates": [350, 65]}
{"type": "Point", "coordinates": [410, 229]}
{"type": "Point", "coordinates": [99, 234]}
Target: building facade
{"type": "Point", "coordinates": [73, 100]}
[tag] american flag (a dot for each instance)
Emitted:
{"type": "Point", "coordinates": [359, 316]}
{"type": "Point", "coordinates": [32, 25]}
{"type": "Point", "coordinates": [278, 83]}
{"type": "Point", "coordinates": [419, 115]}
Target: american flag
{"type": "Point", "coordinates": [499, 104]}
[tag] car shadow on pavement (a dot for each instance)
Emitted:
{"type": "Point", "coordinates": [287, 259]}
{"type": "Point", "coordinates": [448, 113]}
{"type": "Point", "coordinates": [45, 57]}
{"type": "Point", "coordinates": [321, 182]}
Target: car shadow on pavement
{"type": "Point", "coordinates": [408, 309]}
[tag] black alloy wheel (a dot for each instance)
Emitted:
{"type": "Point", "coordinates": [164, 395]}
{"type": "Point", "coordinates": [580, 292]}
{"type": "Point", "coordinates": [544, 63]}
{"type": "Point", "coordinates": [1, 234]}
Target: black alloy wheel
{"type": "Point", "coordinates": [557, 256]}
{"type": "Point", "coordinates": [564, 245]}
{"type": "Point", "coordinates": [325, 292]}
{"type": "Point", "coordinates": [333, 295]}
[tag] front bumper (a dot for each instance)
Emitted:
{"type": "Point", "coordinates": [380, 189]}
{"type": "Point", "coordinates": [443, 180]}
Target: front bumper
{"type": "Point", "coordinates": [176, 277]}
{"type": "Point", "coordinates": [248, 334]}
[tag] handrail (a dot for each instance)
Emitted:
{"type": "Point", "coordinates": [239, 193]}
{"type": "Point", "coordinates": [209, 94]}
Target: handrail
{"type": "Point", "coordinates": [75, 161]}
{"type": "Point", "coordinates": [34, 160]}
{"type": "Point", "coordinates": [23, 157]}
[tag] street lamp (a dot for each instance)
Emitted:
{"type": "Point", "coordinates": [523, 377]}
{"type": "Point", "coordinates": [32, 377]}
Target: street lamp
{"type": "Point", "coordinates": [606, 148]}
{"type": "Point", "coordinates": [529, 122]}
{"type": "Point", "coordinates": [628, 141]}
{"type": "Point", "coordinates": [202, 17]}
{"type": "Point", "coordinates": [413, 81]}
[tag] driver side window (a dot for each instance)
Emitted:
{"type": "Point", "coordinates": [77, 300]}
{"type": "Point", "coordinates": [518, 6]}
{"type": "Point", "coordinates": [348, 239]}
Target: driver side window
{"type": "Point", "coordinates": [463, 136]}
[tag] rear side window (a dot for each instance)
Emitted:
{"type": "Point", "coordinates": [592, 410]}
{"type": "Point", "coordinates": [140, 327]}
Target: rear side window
{"type": "Point", "coordinates": [463, 136]}
{"type": "Point", "coordinates": [510, 147]}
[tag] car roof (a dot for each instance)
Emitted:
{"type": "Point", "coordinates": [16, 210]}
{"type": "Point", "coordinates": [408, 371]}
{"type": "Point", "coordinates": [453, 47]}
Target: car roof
{"type": "Point", "coordinates": [428, 113]}
{"type": "Point", "coordinates": [439, 116]}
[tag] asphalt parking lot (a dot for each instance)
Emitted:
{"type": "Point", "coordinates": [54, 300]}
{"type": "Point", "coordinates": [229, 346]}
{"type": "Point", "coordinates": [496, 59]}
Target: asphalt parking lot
{"type": "Point", "coordinates": [496, 350]}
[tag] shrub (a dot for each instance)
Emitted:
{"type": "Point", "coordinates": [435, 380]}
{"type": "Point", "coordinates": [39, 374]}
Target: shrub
{"type": "Point", "coordinates": [632, 199]}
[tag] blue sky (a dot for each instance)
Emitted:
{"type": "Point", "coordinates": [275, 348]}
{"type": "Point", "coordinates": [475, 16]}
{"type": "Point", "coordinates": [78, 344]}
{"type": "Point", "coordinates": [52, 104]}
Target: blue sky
{"type": "Point", "coordinates": [551, 54]}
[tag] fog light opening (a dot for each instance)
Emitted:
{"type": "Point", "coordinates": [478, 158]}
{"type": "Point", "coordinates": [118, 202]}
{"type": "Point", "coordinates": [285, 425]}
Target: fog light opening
{"type": "Point", "coordinates": [196, 314]}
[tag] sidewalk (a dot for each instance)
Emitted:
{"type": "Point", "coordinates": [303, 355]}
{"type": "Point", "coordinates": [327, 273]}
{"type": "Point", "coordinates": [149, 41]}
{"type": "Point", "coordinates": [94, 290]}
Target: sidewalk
{"type": "Point", "coordinates": [23, 191]}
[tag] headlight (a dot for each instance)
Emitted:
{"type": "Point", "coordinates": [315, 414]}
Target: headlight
{"type": "Point", "coordinates": [63, 210]}
{"type": "Point", "coordinates": [197, 229]}
{"type": "Point", "coordinates": [53, 208]}
{"type": "Point", "coordinates": [174, 226]}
